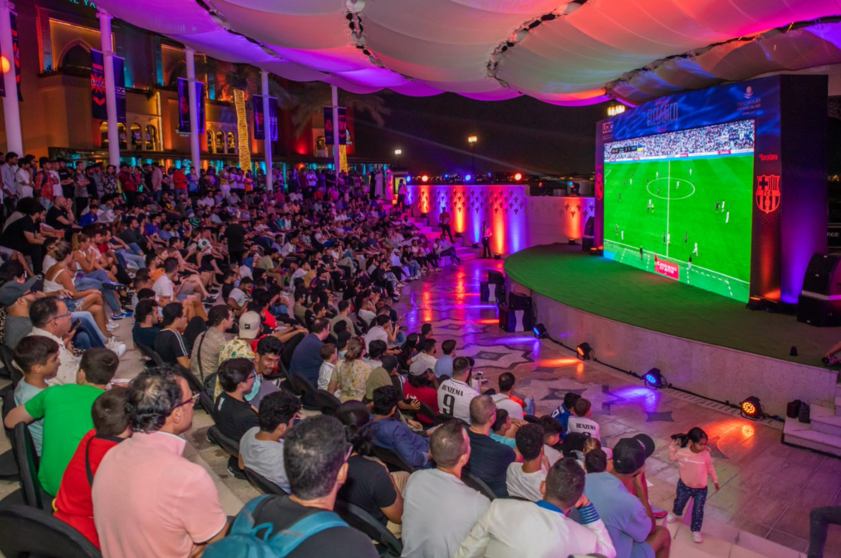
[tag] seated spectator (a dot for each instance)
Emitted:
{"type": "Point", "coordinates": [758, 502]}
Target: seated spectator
{"type": "Point", "coordinates": [261, 447]}
{"type": "Point", "coordinates": [51, 319]}
{"type": "Point", "coordinates": [422, 387]}
{"type": "Point", "coordinates": [524, 480]}
{"type": "Point", "coordinates": [146, 320]}
{"type": "Point", "coordinates": [376, 350]}
{"type": "Point", "coordinates": [73, 503]}
{"type": "Point", "coordinates": [581, 422]}
{"type": "Point", "coordinates": [551, 437]}
{"type": "Point", "coordinates": [330, 356]}
{"type": "Point", "coordinates": [350, 374]}
{"type": "Point", "coordinates": [392, 434]}
{"type": "Point", "coordinates": [425, 359]}
{"type": "Point", "coordinates": [622, 501]}
{"type": "Point", "coordinates": [517, 528]}
{"type": "Point", "coordinates": [439, 509]}
{"type": "Point", "coordinates": [66, 410]}
{"type": "Point", "coordinates": [506, 399]}
{"type": "Point", "coordinates": [240, 346]}
{"type": "Point", "coordinates": [369, 485]}
{"type": "Point", "coordinates": [503, 430]}
{"type": "Point", "coordinates": [343, 316]}
{"type": "Point", "coordinates": [596, 461]}
{"type": "Point", "coordinates": [266, 362]}
{"type": "Point", "coordinates": [37, 358]}
{"type": "Point", "coordinates": [234, 415]}
{"type": "Point", "coordinates": [444, 365]}
{"type": "Point", "coordinates": [148, 500]}
{"type": "Point", "coordinates": [489, 460]}
{"type": "Point", "coordinates": [170, 343]}
{"type": "Point", "coordinates": [425, 334]}
{"type": "Point", "coordinates": [315, 457]}
{"type": "Point", "coordinates": [306, 360]}
{"type": "Point", "coordinates": [204, 360]}
{"type": "Point", "coordinates": [564, 410]}
{"type": "Point", "coordinates": [455, 394]}
{"type": "Point", "coordinates": [383, 375]}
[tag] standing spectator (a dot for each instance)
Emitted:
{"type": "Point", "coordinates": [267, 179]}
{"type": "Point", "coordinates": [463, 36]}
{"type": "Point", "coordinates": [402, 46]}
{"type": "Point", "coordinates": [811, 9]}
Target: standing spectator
{"type": "Point", "coordinates": [9, 171]}
{"type": "Point", "coordinates": [80, 189]}
{"type": "Point", "coordinates": [261, 447]}
{"type": "Point", "coordinates": [23, 178]}
{"type": "Point", "coordinates": [315, 457]}
{"type": "Point", "coordinates": [517, 528]}
{"type": "Point", "coordinates": [128, 183]}
{"type": "Point", "coordinates": [487, 233]}
{"type": "Point", "coordinates": [695, 464]}
{"type": "Point", "coordinates": [444, 223]}
{"type": "Point", "coordinates": [73, 503]}
{"type": "Point", "coordinates": [439, 509]}
{"type": "Point", "coordinates": [455, 394]}
{"type": "Point", "coordinates": [66, 411]}
{"type": "Point", "coordinates": [147, 499]}
{"type": "Point", "coordinates": [489, 460]}
{"type": "Point", "coordinates": [392, 434]}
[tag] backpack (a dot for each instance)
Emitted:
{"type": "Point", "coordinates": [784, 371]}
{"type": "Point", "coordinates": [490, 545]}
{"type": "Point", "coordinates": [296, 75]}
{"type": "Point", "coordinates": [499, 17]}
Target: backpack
{"type": "Point", "coordinates": [247, 540]}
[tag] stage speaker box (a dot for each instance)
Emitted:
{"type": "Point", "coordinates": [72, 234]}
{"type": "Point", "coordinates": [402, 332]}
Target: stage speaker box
{"type": "Point", "coordinates": [793, 409]}
{"type": "Point", "coordinates": [496, 277]}
{"type": "Point", "coordinates": [491, 292]}
{"type": "Point", "coordinates": [512, 320]}
{"type": "Point", "coordinates": [805, 413]}
{"type": "Point", "coordinates": [819, 310]}
{"type": "Point", "coordinates": [519, 301]}
{"type": "Point", "coordinates": [823, 276]}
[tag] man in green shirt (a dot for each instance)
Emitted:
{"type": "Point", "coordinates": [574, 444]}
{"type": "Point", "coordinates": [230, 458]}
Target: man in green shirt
{"type": "Point", "coordinates": [66, 413]}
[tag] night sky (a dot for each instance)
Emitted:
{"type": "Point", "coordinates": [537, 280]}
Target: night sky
{"type": "Point", "coordinates": [521, 134]}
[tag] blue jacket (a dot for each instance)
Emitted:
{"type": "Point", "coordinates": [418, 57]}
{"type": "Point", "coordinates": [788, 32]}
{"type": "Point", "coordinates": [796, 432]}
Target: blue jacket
{"type": "Point", "coordinates": [393, 435]}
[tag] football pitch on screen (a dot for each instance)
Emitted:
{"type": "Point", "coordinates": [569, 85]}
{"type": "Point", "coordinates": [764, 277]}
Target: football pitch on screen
{"type": "Point", "coordinates": [689, 219]}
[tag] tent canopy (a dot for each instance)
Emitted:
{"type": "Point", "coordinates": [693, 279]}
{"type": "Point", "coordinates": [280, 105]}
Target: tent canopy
{"type": "Point", "coordinates": [567, 52]}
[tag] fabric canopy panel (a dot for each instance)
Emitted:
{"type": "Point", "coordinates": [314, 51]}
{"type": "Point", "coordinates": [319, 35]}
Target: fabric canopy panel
{"type": "Point", "coordinates": [569, 52]}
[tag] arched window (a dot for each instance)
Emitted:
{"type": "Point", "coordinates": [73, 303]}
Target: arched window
{"type": "Point", "coordinates": [220, 142]}
{"type": "Point", "coordinates": [151, 138]}
{"type": "Point", "coordinates": [210, 142]}
{"type": "Point", "coordinates": [232, 143]}
{"type": "Point", "coordinates": [76, 56]}
{"type": "Point", "coordinates": [103, 133]}
{"type": "Point", "coordinates": [178, 71]}
{"type": "Point", "coordinates": [121, 130]}
{"type": "Point", "coordinates": [136, 137]}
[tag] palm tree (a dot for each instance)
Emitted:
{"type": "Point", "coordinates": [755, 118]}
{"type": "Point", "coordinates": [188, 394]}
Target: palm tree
{"type": "Point", "coordinates": [314, 96]}
{"type": "Point", "coordinates": [241, 82]}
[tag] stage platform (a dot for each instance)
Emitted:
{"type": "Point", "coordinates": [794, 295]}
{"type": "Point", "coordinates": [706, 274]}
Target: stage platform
{"type": "Point", "coordinates": [701, 341]}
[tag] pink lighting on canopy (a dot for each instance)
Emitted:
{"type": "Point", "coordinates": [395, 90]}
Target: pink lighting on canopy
{"type": "Point", "coordinates": [632, 50]}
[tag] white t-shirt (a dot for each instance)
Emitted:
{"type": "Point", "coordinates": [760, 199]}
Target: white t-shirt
{"type": "Point", "coordinates": [524, 485]}
{"type": "Point", "coordinates": [438, 512]}
{"type": "Point", "coordinates": [163, 288]}
{"type": "Point", "coordinates": [374, 334]}
{"type": "Point", "coordinates": [584, 426]}
{"type": "Point", "coordinates": [515, 410]}
{"type": "Point", "coordinates": [454, 399]}
{"type": "Point", "coordinates": [324, 374]}
{"type": "Point", "coordinates": [264, 458]}
{"type": "Point", "coordinates": [421, 363]}
{"type": "Point", "coordinates": [551, 454]}
{"type": "Point", "coordinates": [239, 296]}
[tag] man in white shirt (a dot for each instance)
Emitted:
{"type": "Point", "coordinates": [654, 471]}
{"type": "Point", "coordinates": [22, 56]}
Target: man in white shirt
{"type": "Point", "coordinates": [378, 331]}
{"type": "Point", "coordinates": [438, 508]}
{"type": "Point", "coordinates": [8, 171]}
{"type": "Point", "coordinates": [51, 319]}
{"type": "Point", "coordinates": [164, 287]}
{"type": "Point", "coordinates": [425, 359]}
{"type": "Point", "coordinates": [514, 528]}
{"type": "Point", "coordinates": [581, 422]}
{"type": "Point", "coordinates": [455, 394]}
{"type": "Point", "coordinates": [23, 178]}
{"type": "Point", "coordinates": [503, 398]}
{"type": "Point", "coordinates": [523, 480]}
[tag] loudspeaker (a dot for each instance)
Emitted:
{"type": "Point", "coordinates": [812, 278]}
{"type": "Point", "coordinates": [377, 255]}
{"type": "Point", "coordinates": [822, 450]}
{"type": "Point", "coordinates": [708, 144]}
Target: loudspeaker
{"type": "Point", "coordinates": [587, 243]}
{"type": "Point", "coordinates": [819, 312]}
{"type": "Point", "coordinates": [793, 408]}
{"type": "Point", "coordinates": [519, 301]}
{"type": "Point", "coordinates": [512, 320]}
{"type": "Point", "coordinates": [823, 276]}
{"type": "Point", "coordinates": [491, 292]}
{"type": "Point", "coordinates": [496, 277]}
{"type": "Point", "coordinates": [507, 319]}
{"type": "Point", "coordinates": [805, 413]}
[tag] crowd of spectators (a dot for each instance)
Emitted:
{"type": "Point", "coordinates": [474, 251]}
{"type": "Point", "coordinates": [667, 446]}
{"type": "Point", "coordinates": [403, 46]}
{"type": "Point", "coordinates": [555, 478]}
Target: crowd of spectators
{"type": "Point", "coordinates": [732, 137]}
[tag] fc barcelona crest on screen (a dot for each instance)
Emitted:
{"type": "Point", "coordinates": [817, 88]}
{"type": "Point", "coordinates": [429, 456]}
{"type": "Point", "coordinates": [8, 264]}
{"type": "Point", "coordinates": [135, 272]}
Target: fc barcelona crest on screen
{"type": "Point", "coordinates": [768, 192]}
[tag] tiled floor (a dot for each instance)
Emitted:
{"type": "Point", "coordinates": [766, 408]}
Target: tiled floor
{"type": "Point", "coordinates": [766, 488]}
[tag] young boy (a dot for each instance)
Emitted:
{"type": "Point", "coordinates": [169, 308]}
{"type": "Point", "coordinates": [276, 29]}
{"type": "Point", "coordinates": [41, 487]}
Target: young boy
{"type": "Point", "coordinates": [330, 355]}
{"type": "Point", "coordinates": [580, 420]}
{"type": "Point", "coordinates": [551, 437]}
{"type": "Point", "coordinates": [523, 480]}
{"type": "Point", "coordinates": [73, 504]}
{"type": "Point", "coordinates": [37, 358]}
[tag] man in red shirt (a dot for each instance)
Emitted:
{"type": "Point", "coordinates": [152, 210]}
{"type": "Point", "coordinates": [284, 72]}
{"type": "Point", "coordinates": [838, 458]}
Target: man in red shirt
{"type": "Point", "coordinates": [73, 504]}
{"type": "Point", "coordinates": [179, 180]}
{"type": "Point", "coordinates": [128, 183]}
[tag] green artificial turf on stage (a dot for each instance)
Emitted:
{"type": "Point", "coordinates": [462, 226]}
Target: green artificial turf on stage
{"type": "Point", "coordinates": [692, 212]}
{"type": "Point", "coordinates": [626, 294]}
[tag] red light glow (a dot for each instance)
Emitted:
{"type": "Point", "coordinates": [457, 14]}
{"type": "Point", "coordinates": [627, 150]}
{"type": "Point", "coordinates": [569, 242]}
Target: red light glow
{"type": "Point", "coordinates": [518, 177]}
{"type": "Point", "coordinates": [424, 178]}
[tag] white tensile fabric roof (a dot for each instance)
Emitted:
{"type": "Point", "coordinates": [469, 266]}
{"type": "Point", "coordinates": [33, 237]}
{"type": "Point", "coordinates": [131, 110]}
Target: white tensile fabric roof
{"type": "Point", "coordinates": [567, 52]}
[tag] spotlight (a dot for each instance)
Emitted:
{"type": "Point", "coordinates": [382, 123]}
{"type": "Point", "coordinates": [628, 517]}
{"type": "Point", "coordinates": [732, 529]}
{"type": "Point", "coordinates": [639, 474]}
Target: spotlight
{"type": "Point", "coordinates": [468, 178]}
{"type": "Point", "coordinates": [583, 351]}
{"type": "Point", "coordinates": [540, 331]}
{"type": "Point", "coordinates": [518, 177]}
{"type": "Point", "coordinates": [751, 408]}
{"type": "Point", "coordinates": [654, 379]}
{"type": "Point", "coordinates": [424, 178]}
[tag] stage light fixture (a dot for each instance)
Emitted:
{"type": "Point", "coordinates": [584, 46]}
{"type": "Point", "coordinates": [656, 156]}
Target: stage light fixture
{"type": "Point", "coordinates": [424, 178]}
{"type": "Point", "coordinates": [654, 379]}
{"type": "Point", "coordinates": [751, 408]}
{"type": "Point", "coordinates": [540, 331]}
{"type": "Point", "coordinates": [468, 178]}
{"type": "Point", "coordinates": [583, 351]}
{"type": "Point", "coordinates": [518, 177]}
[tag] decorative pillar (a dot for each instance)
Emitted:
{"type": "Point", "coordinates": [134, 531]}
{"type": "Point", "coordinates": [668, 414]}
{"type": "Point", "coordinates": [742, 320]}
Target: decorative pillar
{"type": "Point", "coordinates": [267, 127]}
{"type": "Point", "coordinates": [11, 109]}
{"type": "Point", "coordinates": [336, 154]}
{"type": "Point", "coordinates": [110, 88]}
{"type": "Point", "coordinates": [195, 151]}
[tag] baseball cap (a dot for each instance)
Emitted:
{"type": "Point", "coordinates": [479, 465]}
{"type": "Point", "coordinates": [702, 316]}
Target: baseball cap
{"type": "Point", "coordinates": [249, 325]}
{"type": "Point", "coordinates": [629, 454]}
{"type": "Point", "coordinates": [12, 290]}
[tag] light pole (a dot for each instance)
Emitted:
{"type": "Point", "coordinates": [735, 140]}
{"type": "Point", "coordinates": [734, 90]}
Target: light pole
{"type": "Point", "coordinates": [472, 141]}
{"type": "Point", "coordinates": [397, 154]}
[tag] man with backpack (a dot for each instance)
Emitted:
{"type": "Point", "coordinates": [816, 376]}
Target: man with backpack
{"type": "Point", "coordinates": [315, 454]}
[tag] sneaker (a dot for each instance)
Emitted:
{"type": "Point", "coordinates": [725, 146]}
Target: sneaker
{"type": "Point", "coordinates": [117, 346]}
{"type": "Point", "coordinates": [210, 300]}
{"type": "Point", "coordinates": [113, 286]}
{"type": "Point", "coordinates": [122, 315]}
{"type": "Point", "coordinates": [671, 518]}
{"type": "Point", "coordinates": [112, 326]}
{"type": "Point", "coordinates": [658, 513]}
{"type": "Point", "coordinates": [697, 537]}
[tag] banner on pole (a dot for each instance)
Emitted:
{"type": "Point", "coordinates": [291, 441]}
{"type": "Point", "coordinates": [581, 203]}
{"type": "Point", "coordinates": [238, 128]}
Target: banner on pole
{"type": "Point", "coordinates": [99, 110]}
{"type": "Point", "coordinates": [273, 117]}
{"type": "Point", "coordinates": [259, 117]}
{"type": "Point", "coordinates": [16, 49]}
{"type": "Point", "coordinates": [120, 86]}
{"type": "Point", "coordinates": [328, 125]}
{"type": "Point", "coordinates": [184, 106]}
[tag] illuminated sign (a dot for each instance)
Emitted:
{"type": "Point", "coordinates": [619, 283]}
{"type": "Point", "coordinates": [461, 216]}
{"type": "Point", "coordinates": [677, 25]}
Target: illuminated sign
{"type": "Point", "coordinates": [768, 192]}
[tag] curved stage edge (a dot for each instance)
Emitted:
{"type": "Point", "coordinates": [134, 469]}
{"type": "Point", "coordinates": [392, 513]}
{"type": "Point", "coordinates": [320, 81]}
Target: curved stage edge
{"type": "Point", "coordinates": [702, 342]}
